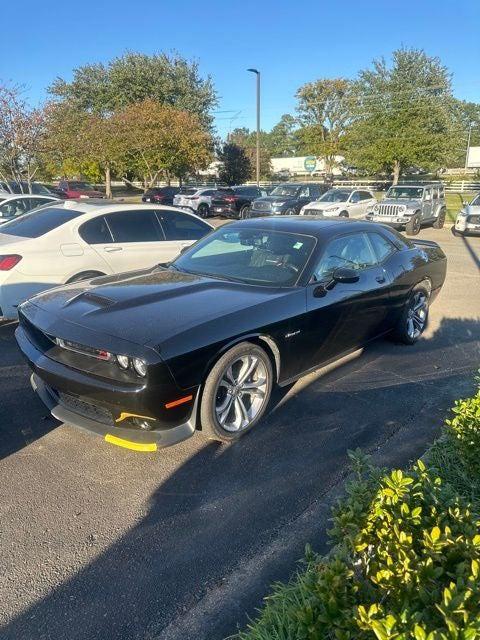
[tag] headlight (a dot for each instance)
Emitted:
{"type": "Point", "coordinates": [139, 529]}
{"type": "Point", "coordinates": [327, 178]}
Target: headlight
{"type": "Point", "coordinates": [123, 362]}
{"type": "Point", "coordinates": [463, 213]}
{"type": "Point", "coordinates": [402, 208]}
{"type": "Point", "coordinates": [140, 366]}
{"type": "Point", "coordinates": [376, 207]}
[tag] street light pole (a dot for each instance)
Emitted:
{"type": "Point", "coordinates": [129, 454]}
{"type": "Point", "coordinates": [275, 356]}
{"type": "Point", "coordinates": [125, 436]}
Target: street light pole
{"type": "Point", "coordinates": [468, 147]}
{"type": "Point", "coordinates": [258, 122]}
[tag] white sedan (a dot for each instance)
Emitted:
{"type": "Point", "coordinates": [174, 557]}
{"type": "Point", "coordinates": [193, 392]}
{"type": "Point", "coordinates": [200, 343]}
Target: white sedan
{"type": "Point", "coordinates": [12, 204]}
{"type": "Point", "coordinates": [76, 240]}
{"type": "Point", "coordinates": [348, 203]}
{"type": "Point", "coordinates": [468, 220]}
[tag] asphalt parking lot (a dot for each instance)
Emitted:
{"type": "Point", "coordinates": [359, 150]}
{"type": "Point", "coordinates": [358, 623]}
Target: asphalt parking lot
{"type": "Point", "coordinates": [100, 542]}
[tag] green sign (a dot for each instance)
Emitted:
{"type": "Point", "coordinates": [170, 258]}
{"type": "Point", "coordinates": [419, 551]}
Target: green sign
{"type": "Point", "coordinates": [310, 163]}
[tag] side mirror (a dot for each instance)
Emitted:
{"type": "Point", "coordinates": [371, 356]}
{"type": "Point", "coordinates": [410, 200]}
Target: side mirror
{"type": "Point", "coordinates": [345, 275]}
{"type": "Point", "coordinates": [183, 249]}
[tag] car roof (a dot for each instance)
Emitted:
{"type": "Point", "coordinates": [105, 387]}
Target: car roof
{"type": "Point", "coordinates": [306, 225]}
{"type": "Point", "coordinates": [15, 196]}
{"type": "Point", "coordinates": [420, 186]}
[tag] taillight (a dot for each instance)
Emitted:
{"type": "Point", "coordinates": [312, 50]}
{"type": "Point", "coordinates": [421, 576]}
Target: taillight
{"type": "Point", "coordinates": [8, 262]}
{"type": "Point", "coordinates": [230, 198]}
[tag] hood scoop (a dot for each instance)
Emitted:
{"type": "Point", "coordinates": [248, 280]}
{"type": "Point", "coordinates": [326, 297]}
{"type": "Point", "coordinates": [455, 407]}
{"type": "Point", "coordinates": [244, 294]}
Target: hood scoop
{"type": "Point", "coordinates": [92, 298]}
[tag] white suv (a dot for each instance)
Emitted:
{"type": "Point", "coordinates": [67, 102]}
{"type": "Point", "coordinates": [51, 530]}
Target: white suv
{"type": "Point", "coordinates": [346, 203]}
{"type": "Point", "coordinates": [198, 200]}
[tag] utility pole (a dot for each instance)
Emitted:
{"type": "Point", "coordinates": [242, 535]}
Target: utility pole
{"type": "Point", "coordinates": [468, 146]}
{"type": "Point", "coordinates": [258, 122]}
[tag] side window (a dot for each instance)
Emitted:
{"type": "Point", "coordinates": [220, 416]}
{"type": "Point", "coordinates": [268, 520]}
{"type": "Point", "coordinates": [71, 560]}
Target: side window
{"type": "Point", "coordinates": [12, 208]}
{"type": "Point", "coordinates": [364, 195]}
{"type": "Point", "coordinates": [210, 192]}
{"type": "Point", "coordinates": [134, 226]}
{"type": "Point", "coordinates": [355, 197]}
{"type": "Point", "coordinates": [62, 185]}
{"type": "Point", "coordinates": [304, 192]}
{"type": "Point", "coordinates": [31, 203]}
{"type": "Point", "coordinates": [428, 195]}
{"type": "Point", "coordinates": [95, 231]}
{"type": "Point", "coordinates": [178, 226]}
{"type": "Point", "coordinates": [352, 251]}
{"type": "Point", "coordinates": [382, 247]}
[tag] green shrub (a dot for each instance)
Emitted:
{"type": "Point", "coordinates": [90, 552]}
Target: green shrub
{"type": "Point", "coordinates": [464, 431]}
{"type": "Point", "coordinates": [406, 557]}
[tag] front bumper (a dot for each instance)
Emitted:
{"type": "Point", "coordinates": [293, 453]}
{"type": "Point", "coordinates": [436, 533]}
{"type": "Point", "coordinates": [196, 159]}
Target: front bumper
{"type": "Point", "coordinates": [398, 222]}
{"type": "Point", "coordinates": [464, 225]}
{"type": "Point", "coordinates": [225, 212]}
{"type": "Point", "coordinates": [113, 408]}
{"type": "Point", "coordinates": [256, 213]}
{"type": "Point", "coordinates": [123, 437]}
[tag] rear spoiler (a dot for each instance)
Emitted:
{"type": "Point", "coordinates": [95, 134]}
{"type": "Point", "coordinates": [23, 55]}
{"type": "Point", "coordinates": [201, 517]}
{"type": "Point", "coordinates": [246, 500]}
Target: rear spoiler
{"type": "Point", "coordinates": [426, 243]}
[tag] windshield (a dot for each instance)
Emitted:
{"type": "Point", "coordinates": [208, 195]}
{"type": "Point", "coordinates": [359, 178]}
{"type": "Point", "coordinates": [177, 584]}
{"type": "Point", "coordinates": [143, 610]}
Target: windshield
{"type": "Point", "coordinates": [335, 195]}
{"type": "Point", "coordinates": [410, 193]}
{"type": "Point", "coordinates": [285, 190]}
{"type": "Point", "coordinates": [476, 201]}
{"type": "Point", "coordinates": [255, 256]}
{"type": "Point", "coordinates": [39, 222]}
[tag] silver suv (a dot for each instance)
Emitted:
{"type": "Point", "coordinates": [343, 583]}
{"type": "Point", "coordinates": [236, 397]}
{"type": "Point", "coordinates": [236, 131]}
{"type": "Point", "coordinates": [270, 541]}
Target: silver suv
{"type": "Point", "coordinates": [196, 199]}
{"type": "Point", "coordinates": [409, 207]}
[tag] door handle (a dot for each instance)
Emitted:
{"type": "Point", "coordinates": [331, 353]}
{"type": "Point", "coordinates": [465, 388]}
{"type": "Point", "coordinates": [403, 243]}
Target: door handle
{"type": "Point", "coordinates": [112, 249]}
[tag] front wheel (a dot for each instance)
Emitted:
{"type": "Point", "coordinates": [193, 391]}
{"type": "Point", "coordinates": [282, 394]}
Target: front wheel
{"type": "Point", "coordinates": [440, 221]}
{"type": "Point", "coordinates": [412, 228]}
{"type": "Point", "coordinates": [414, 316]}
{"type": "Point", "coordinates": [236, 394]}
{"type": "Point", "coordinates": [343, 214]}
{"type": "Point", "coordinates": [290, 212]}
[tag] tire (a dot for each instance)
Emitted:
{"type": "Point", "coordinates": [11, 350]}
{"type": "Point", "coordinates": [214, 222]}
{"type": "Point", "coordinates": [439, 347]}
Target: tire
{"type": "Point", "coordinates": [203, 210]}
{"type": "Point", "coordinates": [290, 212]}
{"type": "Point", "coordinates": [225, 408]}
{"type": "Point", "coordinates": [86, 275]}
{"type": "Point", "coordinates": [456, 233]}
{"type": "Point", "coordinates": [243, 211]}
{"type": "Point", "coordinates": [440, 221]}
{"type": "Point", "coordinates": [343, 214]}
{"type": "Point", "coordinates": [413, 226]}
{"type": "Point", "coordinates": [412, 323]}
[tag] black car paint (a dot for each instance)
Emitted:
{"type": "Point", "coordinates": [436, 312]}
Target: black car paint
{"type": "Point", "coordinates": [181, 323]}
{"type": "Point", "coordinates": [230, 201]}
{"type": "Point", "coordinates": [160, 195]}
{"type": "Point", "coordinates": [294, 203]}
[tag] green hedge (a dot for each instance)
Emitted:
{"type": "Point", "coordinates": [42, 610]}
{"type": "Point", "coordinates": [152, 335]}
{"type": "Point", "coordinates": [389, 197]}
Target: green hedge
{"type": "Point", "coordinates": [406, 556]}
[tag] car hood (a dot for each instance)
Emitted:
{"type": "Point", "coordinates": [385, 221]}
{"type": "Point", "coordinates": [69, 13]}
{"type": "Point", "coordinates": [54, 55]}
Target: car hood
{"type": "Point", "coordinates": [151, 307]}
{"type": "Point", "coordinates": [408, 203]}
{"type": "Point", "coordinates": [275, 199]}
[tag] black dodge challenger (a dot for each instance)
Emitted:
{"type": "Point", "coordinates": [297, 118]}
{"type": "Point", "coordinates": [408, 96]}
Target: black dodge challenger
{"type": "Point", "coordinates": [146, 358]}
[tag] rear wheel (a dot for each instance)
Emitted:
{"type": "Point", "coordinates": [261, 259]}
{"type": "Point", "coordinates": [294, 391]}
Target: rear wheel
{"type": "Point", "coordinates": [203, 210]}
{"type": "Point", "coordinates": [236, 393]}
{"type": "Point", "coordinates": [414, 316]}
{"type": "Point", "coordinates": [440, 221]}
{"type": "Point", "coordinates": [244, 211]}
{"type": "Point", "coordinates": [413, 226]}
{"type": "Point", "coordinates": [290, 212]}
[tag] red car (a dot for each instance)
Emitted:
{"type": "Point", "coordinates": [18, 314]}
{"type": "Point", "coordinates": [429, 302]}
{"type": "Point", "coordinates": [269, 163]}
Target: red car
{"type": "Point", "coordinates": [79, 189]}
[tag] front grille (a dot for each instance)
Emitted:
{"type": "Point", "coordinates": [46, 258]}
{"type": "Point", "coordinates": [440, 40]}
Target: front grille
{"type": "Point", "coordinates": [262, 206]}
{"type": "Point", "coordinates": [313, 212]}
{"type": "Point", "coordinates": [85, 409]}
{"type": "Point", "coordinates": [388, 209]}
{"type": "Point", "coordinates": [474, 219]}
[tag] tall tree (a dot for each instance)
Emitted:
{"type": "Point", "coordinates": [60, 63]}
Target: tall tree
{"type": "Point", "coordinates": [134, 77]}
{"type": "Point", "coordinates": [21, 137]}
{"type": "Point", "coordinates": [236, 167]}
{"type": "Point", "coordinates": [324, 109]}
{"type": "Point", "coordinates": [283, 139]}
{"type": "Point", "coordinates": [402, 115]}
{"type": "Point", "coordinates": [160, 139]}
{"type": "Point", "coordinates": [247, 139]}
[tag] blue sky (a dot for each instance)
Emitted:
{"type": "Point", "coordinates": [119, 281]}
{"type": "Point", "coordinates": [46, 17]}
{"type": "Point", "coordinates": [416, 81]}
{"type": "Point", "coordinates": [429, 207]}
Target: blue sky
{"type": "Point", "coordinates": [290, 42]}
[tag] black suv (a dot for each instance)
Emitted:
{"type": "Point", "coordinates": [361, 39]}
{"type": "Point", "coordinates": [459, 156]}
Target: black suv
{"type": "Point", "coordinates": [234, 202]}
{"type": "Point", "coordinates": [161, 195]}
{"type": "Point", "coordinates": [288, 199]}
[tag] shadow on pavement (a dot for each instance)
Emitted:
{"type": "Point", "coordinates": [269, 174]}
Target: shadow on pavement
{"type": "Point", "coordinates": [226, 501]}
